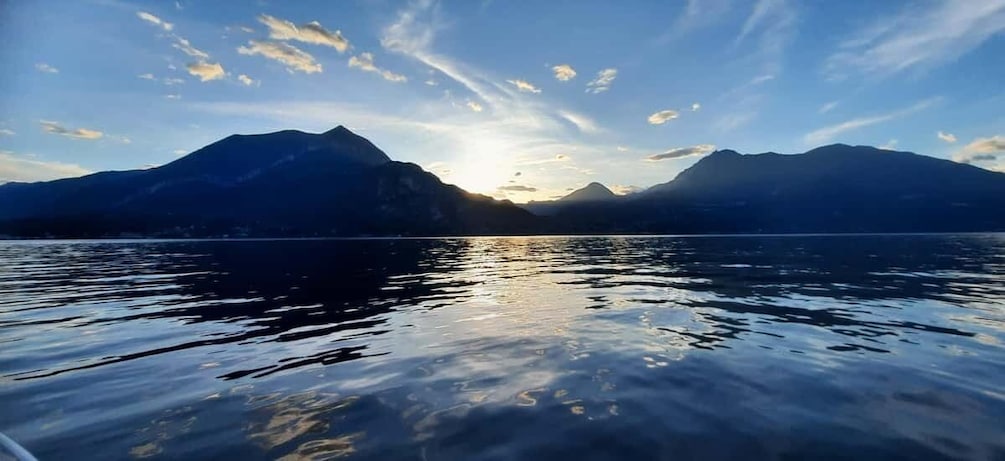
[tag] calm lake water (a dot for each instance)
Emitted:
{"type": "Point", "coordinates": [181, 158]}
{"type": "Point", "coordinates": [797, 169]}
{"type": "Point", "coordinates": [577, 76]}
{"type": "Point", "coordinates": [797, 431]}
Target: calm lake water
{"type": "Point", "coordinates": [830, 347]}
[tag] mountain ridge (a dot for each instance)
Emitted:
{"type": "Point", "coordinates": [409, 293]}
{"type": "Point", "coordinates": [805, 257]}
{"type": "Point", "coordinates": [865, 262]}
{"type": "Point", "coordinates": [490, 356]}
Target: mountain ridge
{"type": "Point", "coordinates": [337, 183]}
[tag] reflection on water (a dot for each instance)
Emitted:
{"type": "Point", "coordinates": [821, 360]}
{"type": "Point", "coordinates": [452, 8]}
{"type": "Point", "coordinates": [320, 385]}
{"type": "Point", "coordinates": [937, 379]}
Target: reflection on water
{"type": "Point", "coordinates": [506, 348]}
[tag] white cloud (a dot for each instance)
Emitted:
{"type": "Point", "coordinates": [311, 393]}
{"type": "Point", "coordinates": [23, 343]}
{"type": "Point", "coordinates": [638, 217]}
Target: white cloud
{"type": "Point", "coordinates": [564, 72]}
{"type": "Point", "coordinates": [147, 76]}
{"type": "Point", "coordinates": [79, 133]}
{"type": "Point", "coordinates": [584, 123]}
{"type": "Point", "coordinates": [247, 29]}
{"type": "Point", "coordinates": [365, 63]}
{"type": "Point", "coordinates": [17, 168]}
{"type": "Point", "coordinates": [186, 47]}
{"type": "Point", "coordinates": [172, 81]}
{"type": "Point", "coordinates": [312, 32]}
{"type": "Point", "coordinates": [517, 188]}
{"type": "Point", "coordinates": [947, 137]}
{"type": "Point", "coordinates": [6, 132]}
{"type": "Point", "coordinates": [662, 117]}
{"type": "Point", "coordinates": [206, 71]}
{"type": "Point", "coordinates": [622, 149]}
{"type": "Point", "coordinates": [431, 82]}
{"type": "Point", "coordinates": [524, 86]}
{"type": "Point", "coordinates": [681, 152]}
{"type": "Point", "coordinates": [921, 36]}
{"type": "Point", "coordinates": [827, 107]}
{"type": "Point", "coordinates": [602, 82]}
{"type": "Point", "coordinates": [982, 150]}
{"type": "Point", "coordinates": [828, 133]}
{"type": "Point", "coordinates": [167, 26]}
{"type": "Point", "coordinates": [247, 81]}
{"type": "Point", "coordinates": [890, 145]}
{"type": "Point", "coordinates": [695, 107]}
{"type": "Point", "coordinates": [43, 67]}
{"type": "Point", "coordinates": [173, 96]}
{"type": "Point", "coordinates": [475, 106]}
{"type": "Point", "coordinates": [624, 189]}
{"type": "Point", "coordinates": [294, 58]}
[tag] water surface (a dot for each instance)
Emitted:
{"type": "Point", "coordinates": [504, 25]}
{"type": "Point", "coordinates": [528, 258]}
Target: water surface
{"type": "Point", "coordinates": [831, 347]}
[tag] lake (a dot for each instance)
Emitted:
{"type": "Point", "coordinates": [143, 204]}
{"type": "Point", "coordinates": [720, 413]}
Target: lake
{"type": "Point", "coordinates": [755, 347]}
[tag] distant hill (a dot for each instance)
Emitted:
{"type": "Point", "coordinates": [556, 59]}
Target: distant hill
{"type": "Point", "coordinates": [291, 183]}
{"type": "Point", "coordinates": [592, 192]}
{"type": "Point", "coordinates": [287, 183]}
{"type": "Point", "coordinates": [836, 188]}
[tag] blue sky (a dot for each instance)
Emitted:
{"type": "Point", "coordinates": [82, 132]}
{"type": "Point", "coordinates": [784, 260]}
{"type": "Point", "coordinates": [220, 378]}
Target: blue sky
{"type": "Point", "coordinates": [520, 100]}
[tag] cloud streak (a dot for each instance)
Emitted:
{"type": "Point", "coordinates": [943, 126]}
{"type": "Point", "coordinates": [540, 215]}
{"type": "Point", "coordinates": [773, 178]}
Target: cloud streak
{"type": "Point", "coordinates": [292, 57]}
{"type": "Point", "coordinates": [681, 152]}
{"type": "Point", "coordinates": [524, 86]}
{"type": "Point", "coordinates": [365, 63]}
{"type": "Point", "coordinates": [77, 133]}
{"type": "Point", "coordinates": [154, 20]}
{"type": "Point", "coordinates": [828, 133]}
{"type": "Point", "coordinates": [602, 82]}
{"type": "Point", "coordinates": [14, 168]}
{"type": "Point", "coordinates": [920, 37]}
{"type": "Point", "coordinates": [312, 32]}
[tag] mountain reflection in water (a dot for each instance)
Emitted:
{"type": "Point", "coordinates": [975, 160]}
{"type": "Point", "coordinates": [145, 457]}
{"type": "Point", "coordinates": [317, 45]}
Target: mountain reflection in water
{"type": "Point", "coordinates": [506, 348]}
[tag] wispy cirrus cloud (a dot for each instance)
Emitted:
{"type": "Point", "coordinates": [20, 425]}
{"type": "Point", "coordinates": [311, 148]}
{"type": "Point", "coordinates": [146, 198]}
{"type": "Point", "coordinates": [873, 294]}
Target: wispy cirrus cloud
{"type": "Point", "coordinates": [292, 57]}
{"type": "Point", "coordinates": [602, 82]}
{"type": "Point", "coordinates": [474, 106]}
{"type": "Point", "coordinates": [828, 133]}
{"type": "Point", "coordinates": [186, 47]}
{"type": "Point", "coordinates": [364, 62]}
{"type": "Point", "coordinates": [584, 123]}
{"type": "Point", "coordinates": [18, 168]}
{"type": "Point", "coordinates": [947, 137]}
{"type": "Point", "coordinates": [524, 86]}
{"type": "Point", "coordinates": [150, 18]}
{"type": "Point", "coordinates": [662, 117]}
{"type": "Point", "coordinates": [921, 36]}
{"type": "Point", "coordinates": [312, 32]}
{"type": "Point", "coordinates": [681, 152]}
{"type": "Point", "coordinates": [564, 72]}
{"type": "Point", "coordinates": [827, 107]}
{"type": "Point", "coordinates": [75, 133]}
{"type": "Point", "coordinates": [771, 25]}
{"type": "Point", "coordinates": [6, 132]}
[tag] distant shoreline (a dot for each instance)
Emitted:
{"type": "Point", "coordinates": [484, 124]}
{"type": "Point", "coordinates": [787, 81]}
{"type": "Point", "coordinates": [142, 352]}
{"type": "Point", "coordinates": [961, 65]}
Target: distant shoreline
{"type": "Point", "coordinates": [449, 237]}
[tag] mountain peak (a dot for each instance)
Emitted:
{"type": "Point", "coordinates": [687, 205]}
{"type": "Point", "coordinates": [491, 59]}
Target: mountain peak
{"type": "Point", "coordinates": [592, 192]}
{"type": "Point", "coordinates": [339, 130]}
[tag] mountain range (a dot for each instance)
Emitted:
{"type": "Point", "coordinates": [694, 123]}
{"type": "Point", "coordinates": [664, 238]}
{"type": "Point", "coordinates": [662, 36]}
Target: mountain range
{"type": "Point", "coordinates": [295, 184]}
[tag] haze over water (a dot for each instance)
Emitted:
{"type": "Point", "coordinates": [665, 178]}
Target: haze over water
{"type": "Point", "coordinates": [831, 347]}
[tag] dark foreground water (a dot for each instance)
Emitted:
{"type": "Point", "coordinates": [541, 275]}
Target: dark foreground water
{"type": "Point", "coordinates": [850, 347]}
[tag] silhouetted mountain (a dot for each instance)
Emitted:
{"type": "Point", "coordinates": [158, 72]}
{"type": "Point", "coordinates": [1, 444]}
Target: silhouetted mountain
{"type": "Point", "coordinates": [287, 183]}
{"type": "Point", "coordinates": [593, 192]}
{"type": "Point", "coordinates": [292, 183]}
{"type": "Point", "coordinates": [836, 188]}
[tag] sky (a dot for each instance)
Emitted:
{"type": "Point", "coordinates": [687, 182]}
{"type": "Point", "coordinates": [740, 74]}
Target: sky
{"type": "Point", "coordinates": [514, 99]}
